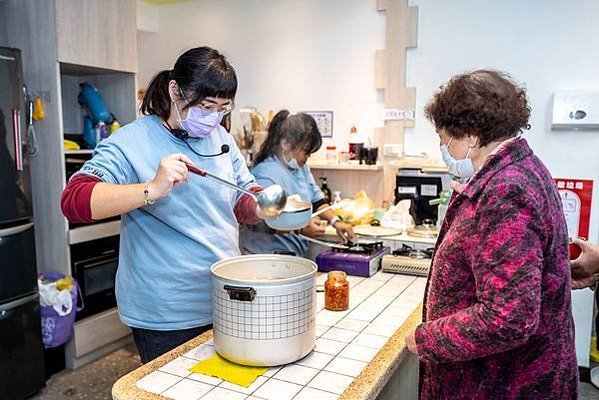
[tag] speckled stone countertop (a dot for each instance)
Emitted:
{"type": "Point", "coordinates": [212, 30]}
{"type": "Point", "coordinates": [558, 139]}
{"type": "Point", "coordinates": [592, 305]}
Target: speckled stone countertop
{"type": "Point", "coordinates": [356, 352]}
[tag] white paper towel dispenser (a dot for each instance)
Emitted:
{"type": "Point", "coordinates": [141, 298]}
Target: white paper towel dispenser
{"type": "Point", "coordinates": [575, 109]}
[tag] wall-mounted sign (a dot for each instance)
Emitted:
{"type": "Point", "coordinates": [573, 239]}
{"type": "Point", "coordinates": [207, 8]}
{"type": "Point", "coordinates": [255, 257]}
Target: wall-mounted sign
{"type": "Point", "coordinates": [576, 197]}
{"type": "Point", "coordinates": [324, 121]}
{"type": "Point", "coordinates": [399, 114]}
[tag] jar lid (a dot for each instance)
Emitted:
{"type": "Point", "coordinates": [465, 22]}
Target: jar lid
{"type": "Point", "coordinates": [337, 275]}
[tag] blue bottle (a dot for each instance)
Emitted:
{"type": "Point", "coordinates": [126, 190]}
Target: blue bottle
{"type": "Point", "coordinates": [92, 100]}
{"type": "Point", "coordinates": [103, 130]}
{"type": "Point", "coordinates": [89, 133]}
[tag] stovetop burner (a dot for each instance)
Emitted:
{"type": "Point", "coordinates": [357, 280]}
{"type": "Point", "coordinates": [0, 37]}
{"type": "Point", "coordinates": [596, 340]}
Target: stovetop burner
{"type": "Point", "coordinates": [361, 247]}
{"type": "Point", "coordinates": [426, 230]}
{"type": "Point", "coordinates": [408, 251]}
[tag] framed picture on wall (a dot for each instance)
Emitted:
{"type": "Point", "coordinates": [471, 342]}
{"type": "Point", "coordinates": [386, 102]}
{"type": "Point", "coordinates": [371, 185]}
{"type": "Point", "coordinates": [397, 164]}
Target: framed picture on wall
{"type": "Point", "coordinates": [324, 121]}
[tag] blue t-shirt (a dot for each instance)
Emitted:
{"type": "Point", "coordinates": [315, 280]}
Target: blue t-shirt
{"type": "Point", "coordinates": [259, 239]}
{"type": "Point", "coordinates": [166, 249]}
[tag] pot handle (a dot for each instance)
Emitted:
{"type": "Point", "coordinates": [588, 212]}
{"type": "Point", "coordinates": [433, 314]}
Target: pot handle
{"type": "Point", "coordinates": [240, 293]}
{"type": "Point", "coordinates": [285, 252]}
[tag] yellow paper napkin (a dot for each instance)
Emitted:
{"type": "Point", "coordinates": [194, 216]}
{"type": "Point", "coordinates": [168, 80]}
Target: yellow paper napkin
{"type": "Point", "coordinates": [217, 366]}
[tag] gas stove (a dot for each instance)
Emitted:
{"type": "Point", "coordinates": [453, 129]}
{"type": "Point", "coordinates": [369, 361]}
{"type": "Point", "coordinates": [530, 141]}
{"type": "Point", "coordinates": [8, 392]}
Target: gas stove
{"type": "Point", "coordinates": [362, 247]}
{"type": "Point", "coordinates": [361, 259]}
{"type": "Point", "coordinates": [409, 261]}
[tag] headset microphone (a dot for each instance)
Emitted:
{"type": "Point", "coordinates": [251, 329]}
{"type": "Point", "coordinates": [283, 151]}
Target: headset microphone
{"type": "Point", "coordinates": [182, 134]}
{"type": "Point", "coordinates": [224, 149]}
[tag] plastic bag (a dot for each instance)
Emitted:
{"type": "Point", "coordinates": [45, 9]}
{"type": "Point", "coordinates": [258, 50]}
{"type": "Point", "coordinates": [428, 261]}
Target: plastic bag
{"type": "Point", "coordinates": [58, 300]}
{"type": "Point", "coordinates": [398, 216]}
{"type": "Point", "coordinates": [56, 294]}
{"type": "Point", "coordinates": [357, 211]}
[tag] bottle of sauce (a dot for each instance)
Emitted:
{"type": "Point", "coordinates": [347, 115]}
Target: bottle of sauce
{"type": "Point", "coordinates": [336, 291]}
{"type": "Point", "coordinates": [356, 144]}
{"type": "Point", "coordinates": [336, 196]}
{"type": "Point", "coordinates": [114, 126]}
{"type": "Point", "coordinates": [325, 189]}
{"type": "Point", "coordinates": [331, 154]}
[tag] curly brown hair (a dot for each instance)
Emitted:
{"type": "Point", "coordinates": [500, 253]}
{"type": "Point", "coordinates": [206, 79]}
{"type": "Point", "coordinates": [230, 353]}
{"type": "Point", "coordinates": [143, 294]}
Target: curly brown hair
{"type": "Point", "coordinates": [484, 103]}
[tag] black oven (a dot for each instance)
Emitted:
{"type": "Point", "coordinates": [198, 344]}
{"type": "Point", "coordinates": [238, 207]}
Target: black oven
{"type": "Point", "coordinates": [73, 163]}
{"type": "Point", "coordinates": [94, 265]}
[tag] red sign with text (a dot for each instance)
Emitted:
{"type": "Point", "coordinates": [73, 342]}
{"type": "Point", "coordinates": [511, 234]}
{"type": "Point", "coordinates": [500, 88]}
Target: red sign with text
{"type": "Point", "coordinates": [576, 197]}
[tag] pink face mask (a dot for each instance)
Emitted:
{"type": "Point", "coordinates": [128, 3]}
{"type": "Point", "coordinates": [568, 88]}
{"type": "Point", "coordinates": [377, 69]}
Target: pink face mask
{"type": "Point", "coordinates": [199, 123]}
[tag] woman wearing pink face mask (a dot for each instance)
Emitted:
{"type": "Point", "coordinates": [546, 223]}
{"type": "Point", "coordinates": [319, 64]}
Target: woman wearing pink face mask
{"type": "Point", "coordinates": [174, 226]}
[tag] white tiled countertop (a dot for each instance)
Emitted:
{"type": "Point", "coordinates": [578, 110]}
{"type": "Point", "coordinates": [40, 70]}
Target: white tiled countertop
{"type": "Point", "coordinates": [347, 341]}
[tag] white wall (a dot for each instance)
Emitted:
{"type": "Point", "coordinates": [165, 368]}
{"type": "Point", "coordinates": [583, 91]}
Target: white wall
{"type": "Point", "coordinates": [319, 55]}
{"type": "Point", "coordinates": [148, 17]}
{"type": "Point", "coordinates": [302, 55]}
{"type": "Point", "coordinates": [548, 45]}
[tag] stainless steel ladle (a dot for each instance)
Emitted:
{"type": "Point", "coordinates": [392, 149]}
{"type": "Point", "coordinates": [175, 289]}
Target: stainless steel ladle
{"type": "Point", "coordinates": [271, 200]}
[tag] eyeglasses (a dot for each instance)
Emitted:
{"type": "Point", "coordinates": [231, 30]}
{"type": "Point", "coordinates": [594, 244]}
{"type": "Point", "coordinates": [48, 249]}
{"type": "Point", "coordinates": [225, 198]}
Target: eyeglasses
{"type": "Point", "coordinates": [210, 106]}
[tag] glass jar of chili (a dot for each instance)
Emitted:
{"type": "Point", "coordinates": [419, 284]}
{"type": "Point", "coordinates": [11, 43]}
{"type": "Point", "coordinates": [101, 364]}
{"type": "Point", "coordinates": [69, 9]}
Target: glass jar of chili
{"type": "Point", "coordinates": [336, 291]}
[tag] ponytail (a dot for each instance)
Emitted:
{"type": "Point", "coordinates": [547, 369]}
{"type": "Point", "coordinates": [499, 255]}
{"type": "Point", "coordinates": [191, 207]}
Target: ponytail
{"type": "Point", "coordinates": [297, 129]}
{"type": "Point", "coordinates": [273, 139]}
{"type": "Point", "coordinates": [157, 100]}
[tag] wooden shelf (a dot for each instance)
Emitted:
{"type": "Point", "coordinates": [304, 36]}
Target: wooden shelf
{"type": "Point", "coordinates": [94, 231]}
{"type": "Point", "coordinates": [347, 167]}
{"type": "Point", "coordinates": [84, 70]}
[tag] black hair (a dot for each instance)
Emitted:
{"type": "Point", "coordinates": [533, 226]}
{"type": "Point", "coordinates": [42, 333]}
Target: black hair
{"type": "Point", "coordinates": [297, 129]}
{"type": "Point", "coordinates": [201, 72]}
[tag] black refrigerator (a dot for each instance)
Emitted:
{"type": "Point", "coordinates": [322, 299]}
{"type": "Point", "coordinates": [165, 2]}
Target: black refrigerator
{"type": "Point", "coordinates": [21, 350]}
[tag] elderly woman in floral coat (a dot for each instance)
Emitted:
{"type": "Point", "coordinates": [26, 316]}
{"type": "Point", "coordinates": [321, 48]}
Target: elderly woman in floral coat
{"type": "Point", "coordinates": [498, 315]}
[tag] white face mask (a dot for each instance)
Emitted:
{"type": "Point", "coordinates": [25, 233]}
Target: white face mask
{"type": "Point", "coordinates": [462, 169]}
{"type": "Point", "coordinates": [293, 164]}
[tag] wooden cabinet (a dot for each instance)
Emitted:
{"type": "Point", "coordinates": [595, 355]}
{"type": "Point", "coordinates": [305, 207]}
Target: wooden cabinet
{"type": "Point", "coordinates": [96, 336]}
{"type": "Point", "coordinates": [97, 33]}
{"type": "Point", "coordinates": [65, 43]}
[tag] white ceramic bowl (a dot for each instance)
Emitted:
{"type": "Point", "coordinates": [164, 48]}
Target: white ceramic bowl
{"type": "Point", "coordinates": [290, 220]}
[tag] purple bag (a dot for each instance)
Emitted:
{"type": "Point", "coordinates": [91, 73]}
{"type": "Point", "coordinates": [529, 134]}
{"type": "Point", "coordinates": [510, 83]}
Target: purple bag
{"type": "Point", "coordinates": [57, 329]}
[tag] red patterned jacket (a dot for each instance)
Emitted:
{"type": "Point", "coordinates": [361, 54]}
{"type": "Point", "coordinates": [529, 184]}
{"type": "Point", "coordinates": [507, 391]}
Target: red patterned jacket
{"type": "Point", "coordinates": [498, 314]}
